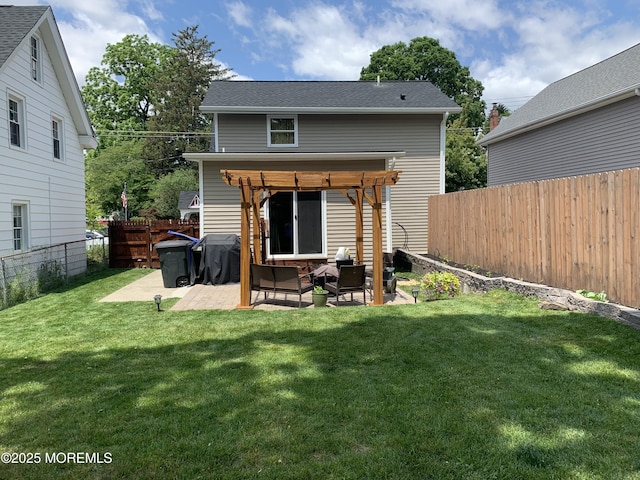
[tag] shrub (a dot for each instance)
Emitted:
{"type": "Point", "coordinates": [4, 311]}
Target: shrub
{"type": "Point", "coordinates": [598, 297]}
{"type": "Point", "coordinates": [437, 285]}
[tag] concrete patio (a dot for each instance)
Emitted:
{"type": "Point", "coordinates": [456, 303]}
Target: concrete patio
{"type": "Point", "coordinates": [227, 296]}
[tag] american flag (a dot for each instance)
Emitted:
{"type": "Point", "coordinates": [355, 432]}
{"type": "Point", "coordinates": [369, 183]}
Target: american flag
{"type": "Point", "coordinates": [123, 196]}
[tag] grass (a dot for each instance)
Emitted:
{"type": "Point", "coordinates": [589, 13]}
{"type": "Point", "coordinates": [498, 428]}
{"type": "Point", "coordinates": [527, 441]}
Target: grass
{"type": "Point", "coordinates": [477, 387]}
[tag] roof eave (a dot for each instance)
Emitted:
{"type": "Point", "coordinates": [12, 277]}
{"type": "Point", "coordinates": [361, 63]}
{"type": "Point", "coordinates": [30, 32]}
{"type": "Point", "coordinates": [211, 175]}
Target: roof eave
{"type": "Point", "coordinates": [334, 110]}
{"type": "Point", "coordinates": [577, 110]}
{"type": "Point", "coordinates": [291, 156]}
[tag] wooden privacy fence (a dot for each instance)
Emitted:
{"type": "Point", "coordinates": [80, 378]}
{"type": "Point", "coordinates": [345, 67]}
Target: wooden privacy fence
{"type": "Point", "coordinates": [574, 233]}
{"type": "Point", "coordinates": [131, 243]}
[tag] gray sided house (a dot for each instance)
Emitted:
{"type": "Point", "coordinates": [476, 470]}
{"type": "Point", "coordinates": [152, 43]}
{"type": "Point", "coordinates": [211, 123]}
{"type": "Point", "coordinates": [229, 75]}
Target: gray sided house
{"type": "Point", "coordinates": [325, 126]}
{"type": "Point", "coordinates": [585, 123]}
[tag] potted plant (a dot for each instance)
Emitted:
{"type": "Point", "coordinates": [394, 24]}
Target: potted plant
{"type": "Point", "coordinates": [319, 296]}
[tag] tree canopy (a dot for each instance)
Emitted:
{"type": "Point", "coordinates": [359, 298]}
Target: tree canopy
{"type": "Point", "coordinates": [108, 171]}
{"type": "Point", "coordinates": [180, 86]}
{"type": "Point", "coordinates": [144, 103]}
{"type": "Point", "coordinates": [425, 59]}
{"type": "Point", "coordinates": [119, 95]}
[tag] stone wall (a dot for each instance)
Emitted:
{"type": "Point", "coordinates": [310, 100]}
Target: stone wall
{"type": "Point", "coordinates": [550, 297]}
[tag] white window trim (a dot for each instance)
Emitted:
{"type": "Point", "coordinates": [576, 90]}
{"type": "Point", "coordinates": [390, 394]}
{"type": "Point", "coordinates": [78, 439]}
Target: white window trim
{"type": "Point", "coordinates": [22, 123]}
{"type": "Point", "coordinates": [322, 255]}
{"type": "Point", "coordinates": [295, 131]}
{"type": "Point", "coordinates": [61, 145]}
{"type": "Point", "coordinates": [26, 237]}
{"type": "Point", "coordinates": [38, 61]}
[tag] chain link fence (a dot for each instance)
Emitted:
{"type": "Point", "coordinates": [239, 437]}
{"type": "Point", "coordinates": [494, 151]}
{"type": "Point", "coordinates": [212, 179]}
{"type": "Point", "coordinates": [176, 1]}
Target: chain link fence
{"type": "Point", "coordinates": [24, 276]}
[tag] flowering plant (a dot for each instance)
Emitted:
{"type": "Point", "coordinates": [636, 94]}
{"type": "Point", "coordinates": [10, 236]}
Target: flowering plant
{"type": "Point", "coordinates": [437, 285]}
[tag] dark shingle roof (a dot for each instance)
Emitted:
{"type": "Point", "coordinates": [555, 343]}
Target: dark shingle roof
{"type": "Point", "coordinates": [260, 96]}
{"type": "Point", "coordinates": [186, 197]}
{"type": "Point", "coordinates": [613, 77]}
{"type": "Point", "coordinates": [15, 24]}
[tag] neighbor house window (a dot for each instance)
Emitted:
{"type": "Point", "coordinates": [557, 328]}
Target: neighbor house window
{"type": "Point", "coordinates": [19, 227]}
{"type": "Point", "coordinates": [36, 64]}
{"type": "Point", "coordinates": [296, 223]}
{"type": "Point", "coordinates": [282, 131]}
{"type": "Point", "coordinates": [56, 135]}
{"type": "Point", "coordinates": [16, 122]}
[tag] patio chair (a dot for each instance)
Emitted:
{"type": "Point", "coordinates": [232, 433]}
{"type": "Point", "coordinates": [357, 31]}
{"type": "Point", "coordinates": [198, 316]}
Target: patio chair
{"type": "Point", "coordinates": [351, 279]}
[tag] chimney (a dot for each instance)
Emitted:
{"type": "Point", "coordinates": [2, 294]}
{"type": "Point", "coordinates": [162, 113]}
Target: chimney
{"type": "Point", "coordinates": [494, 117]}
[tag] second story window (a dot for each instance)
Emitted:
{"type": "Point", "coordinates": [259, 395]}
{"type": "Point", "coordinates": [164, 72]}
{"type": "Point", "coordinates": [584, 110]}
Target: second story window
{"type": "Point", "coordinates": [283, 131]}
{"type": "Point", "coordinates": [36, 67]}
{"type": "Point", "coordinates": [56, 135]}
{"type": "Point", "coordinates": [16, 122]}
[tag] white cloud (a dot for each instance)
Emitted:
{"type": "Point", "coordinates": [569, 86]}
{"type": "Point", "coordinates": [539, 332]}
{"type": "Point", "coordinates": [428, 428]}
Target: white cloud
{"type": "Point", "coordinates": [151, 11]}
{"type": "Point", "coordinates": [549, 44]}
{"type": "Point", "coordinates": [324, 42]}
{"type": "Point", "coordinates": [240, 13]}
{"type": "Point", "coordinates": [473, 15]}
{"type": "Point", "coordinates": [87, 27]}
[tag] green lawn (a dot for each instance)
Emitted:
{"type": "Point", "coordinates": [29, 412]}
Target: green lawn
{"type": "Point", "coordinates": [477, 387]}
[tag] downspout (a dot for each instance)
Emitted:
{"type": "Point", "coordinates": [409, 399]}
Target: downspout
{"type": "Point", "coordinates": [215, 133]}
{"type": "Point", "coordinates": [443, 148]}
{"type": "Point", "coordinates": [201, 189]}
{"type": "Point", "coordinates": [387, 194]}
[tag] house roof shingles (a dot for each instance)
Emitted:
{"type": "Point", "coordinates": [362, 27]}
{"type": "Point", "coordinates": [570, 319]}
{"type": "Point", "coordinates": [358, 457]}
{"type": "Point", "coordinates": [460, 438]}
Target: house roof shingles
{"type": "Point", "coordinates": [610, 78]}
{"type": "Point", "coordinates": [261, 96]}
{"type": "Point", "coordinates": [186, 197]}
{"type": "Point", "coordinates": [15, 23]}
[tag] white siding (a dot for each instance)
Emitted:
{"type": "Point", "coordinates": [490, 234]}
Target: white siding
{"type": "Point", "coordinates": [54, 190]}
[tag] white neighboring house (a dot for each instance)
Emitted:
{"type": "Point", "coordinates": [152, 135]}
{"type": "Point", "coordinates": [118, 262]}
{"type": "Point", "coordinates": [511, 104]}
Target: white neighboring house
{"type": "Point", "coordinates": [189, 204]}
{"type": "Point", "coordinates": [44, 128]}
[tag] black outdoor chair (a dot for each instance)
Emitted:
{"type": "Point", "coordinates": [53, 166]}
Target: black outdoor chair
{"type": "Point", "coordinates": [351, 279]}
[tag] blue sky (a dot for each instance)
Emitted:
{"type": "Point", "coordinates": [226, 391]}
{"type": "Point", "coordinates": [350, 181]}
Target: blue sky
{"type": "Point", "coordinates": [515, 48]}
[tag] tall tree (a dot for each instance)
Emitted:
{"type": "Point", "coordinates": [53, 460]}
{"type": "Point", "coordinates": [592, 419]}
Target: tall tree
{"type": "Point", "coordinates": [180, 86]}
{"type": "Point", "coordinates": [466, 162]}
{"type": "Point", "coordinates": [109, 169]}
{"type": "Point", "coordinates": [166, 192]}
{"type": "Point", "coordinates": [119, 95]}
{"type": "Point", "coordinates": [425, 59]}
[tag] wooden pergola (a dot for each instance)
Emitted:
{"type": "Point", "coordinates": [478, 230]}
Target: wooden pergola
{"type": "Point", "coordinates": [356, 186]}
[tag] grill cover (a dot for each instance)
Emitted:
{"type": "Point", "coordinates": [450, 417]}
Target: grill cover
{"type": "Point", "coordinates": [220, 259]}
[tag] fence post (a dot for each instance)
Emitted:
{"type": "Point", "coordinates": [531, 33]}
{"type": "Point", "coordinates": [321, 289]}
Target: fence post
{"type": "Point", "coordinates": [4, 282]}
{"type": "Point", "coordinates": [66, 264]}
{"type": "Point", "coordinates": [149, 246]}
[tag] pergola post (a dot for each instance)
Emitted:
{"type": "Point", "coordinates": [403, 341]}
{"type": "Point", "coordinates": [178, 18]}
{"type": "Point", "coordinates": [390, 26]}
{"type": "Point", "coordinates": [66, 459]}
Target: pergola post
{"type": "Point", "coordinates": [245, 251]}
{"type": "Point", "coordinates": [378, 295]}
{"type": "Point", "coordinates": [359, 226]}
{"type": "Point", "coordinates": [255, 207]}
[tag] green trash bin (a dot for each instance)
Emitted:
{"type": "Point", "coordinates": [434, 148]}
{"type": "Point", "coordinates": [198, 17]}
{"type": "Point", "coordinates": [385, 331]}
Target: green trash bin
{"type": "Point", "coordinates": [175, 262]}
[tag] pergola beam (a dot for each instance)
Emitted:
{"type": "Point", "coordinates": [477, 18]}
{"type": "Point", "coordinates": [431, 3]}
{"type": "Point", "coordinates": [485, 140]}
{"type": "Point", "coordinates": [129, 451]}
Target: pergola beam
{"type": "Point", "coordinates": [313, 181]}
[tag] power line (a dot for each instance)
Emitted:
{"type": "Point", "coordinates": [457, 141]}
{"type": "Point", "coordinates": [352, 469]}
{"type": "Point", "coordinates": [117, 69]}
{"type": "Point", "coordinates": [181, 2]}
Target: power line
{"type": "Point", "coordinates": [151, 134]}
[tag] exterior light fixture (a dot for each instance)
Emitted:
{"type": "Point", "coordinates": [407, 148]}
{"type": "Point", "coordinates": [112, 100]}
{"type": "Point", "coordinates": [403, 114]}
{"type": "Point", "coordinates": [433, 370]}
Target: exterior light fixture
{"type": "Point", "coordinates": [157, 299]}
{"type": "Point", "coordinates": [414, 292]}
